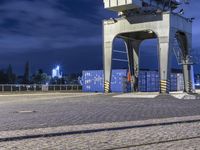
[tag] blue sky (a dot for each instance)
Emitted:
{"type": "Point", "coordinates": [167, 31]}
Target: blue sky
{"type": "Point", "coordinates": [65, 32]}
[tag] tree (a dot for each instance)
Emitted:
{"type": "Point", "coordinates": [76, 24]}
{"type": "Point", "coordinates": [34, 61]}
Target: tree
{"type": "Point", "coordinates": [40, 77]}
{"type": "Point", "coordinates": [3, 77]}
{"type": "Point", "coordinates": [10, 76]}
{"type": "Point", "coordinates": [26, 73]}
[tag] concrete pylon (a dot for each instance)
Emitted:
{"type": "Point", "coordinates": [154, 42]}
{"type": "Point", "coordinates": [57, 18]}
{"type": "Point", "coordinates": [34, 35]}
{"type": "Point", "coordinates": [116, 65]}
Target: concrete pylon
{"type": "Point", "coordinates": [187, 70]}
{"type": "Point", "coordinates": [108, 50]}
{"type": "Point", "coordinates": [146, 26]}
{"type": "Point", "coordinates": [132, 48]}
{"type": "Point", "coordinates": [165, 49]}
{"type": "Point", "coordinates": [185, 42]}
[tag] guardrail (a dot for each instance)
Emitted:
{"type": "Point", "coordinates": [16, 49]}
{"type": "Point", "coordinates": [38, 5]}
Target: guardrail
{"type": "Point", "coordinates": [38, 87]}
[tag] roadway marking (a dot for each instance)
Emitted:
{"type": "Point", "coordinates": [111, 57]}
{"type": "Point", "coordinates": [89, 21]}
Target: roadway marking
{"type": "Point", "coordinates": [25, 111]}
{"type": "Point", "coordinates": [137, 95]}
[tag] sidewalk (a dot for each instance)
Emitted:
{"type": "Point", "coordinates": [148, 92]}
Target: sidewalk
{"type": "Point", "coordinates": [172, 133]}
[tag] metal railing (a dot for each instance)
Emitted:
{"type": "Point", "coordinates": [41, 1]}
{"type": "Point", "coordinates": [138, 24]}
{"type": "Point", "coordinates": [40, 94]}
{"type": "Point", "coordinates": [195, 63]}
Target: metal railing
{"type": "Point", "coordinates": [38, 88]}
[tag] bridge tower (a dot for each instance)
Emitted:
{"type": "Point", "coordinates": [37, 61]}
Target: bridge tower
{"type": "Point", "coordinates": [139, 20]}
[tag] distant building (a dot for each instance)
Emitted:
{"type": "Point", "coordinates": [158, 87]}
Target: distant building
{"type": "Point", "coordinates": [56, 73]}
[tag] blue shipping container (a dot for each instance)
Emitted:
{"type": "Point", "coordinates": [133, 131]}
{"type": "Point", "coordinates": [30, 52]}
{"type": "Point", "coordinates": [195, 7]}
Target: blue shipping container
{"type": "Point", "coordinates": [142, 81]}
{"type": "Point", "coordinates": [157, 82]}
{"type": "Point", "coordinates": [152, 81]}
{"type": "Point", "coordinates": [173, 82]}
{"type": "Point", "coordinates": [149, 81]}
{"type": "Point", "coordinates": [119, 81]}
{"type": "Point", "coordinates": [93, 81]}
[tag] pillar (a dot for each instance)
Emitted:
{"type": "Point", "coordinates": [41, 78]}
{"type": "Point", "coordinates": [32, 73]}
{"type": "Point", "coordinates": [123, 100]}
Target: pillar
{"type": "Point", "coordinates": [187, 78]}
{"type": "Point", "coordinates": [107, 65]}
{"type": "Point", "coordinates": [132, 48]}
{"type": "Point", "coordinates": [165, 48]}
{"type": "Point", "coordinates": [129, 50]}
{"type": "Point", "coordinates": [136, 47]}
{"type": "Point", "coordinates": [185, 42]}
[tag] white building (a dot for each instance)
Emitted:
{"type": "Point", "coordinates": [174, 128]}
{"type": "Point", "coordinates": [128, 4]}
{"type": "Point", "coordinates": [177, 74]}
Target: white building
{"type": "Point", "coordinates": [56, 72]}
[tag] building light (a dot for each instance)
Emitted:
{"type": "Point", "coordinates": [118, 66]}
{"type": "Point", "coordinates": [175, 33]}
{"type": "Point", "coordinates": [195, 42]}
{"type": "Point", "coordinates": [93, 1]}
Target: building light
{"type": "Point", "coordinates": [56, 72]}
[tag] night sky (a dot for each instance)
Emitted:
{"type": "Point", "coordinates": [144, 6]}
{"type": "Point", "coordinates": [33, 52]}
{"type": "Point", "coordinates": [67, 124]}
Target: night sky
{"type": "Point", "coordinates": [64, 32]}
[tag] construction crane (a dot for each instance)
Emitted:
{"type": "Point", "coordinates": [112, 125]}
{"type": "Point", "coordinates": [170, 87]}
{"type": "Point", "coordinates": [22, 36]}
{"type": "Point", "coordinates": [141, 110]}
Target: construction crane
{"type": "Point", "coordinates": [139, 20]}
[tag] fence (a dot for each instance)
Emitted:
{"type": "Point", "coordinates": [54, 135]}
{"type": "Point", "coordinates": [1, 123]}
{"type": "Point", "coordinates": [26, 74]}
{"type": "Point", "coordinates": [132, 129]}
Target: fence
{"type": "Point", "coordinates": [36, 87]}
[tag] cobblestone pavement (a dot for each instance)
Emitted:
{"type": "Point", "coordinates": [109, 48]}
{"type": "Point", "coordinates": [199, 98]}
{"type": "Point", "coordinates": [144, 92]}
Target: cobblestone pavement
{"type": "Point", "coordinates": [96, 121]}
{"type": "Point", "coordinates": [51, 110]}
{"type": "Point", "coordinates": [158, 136]}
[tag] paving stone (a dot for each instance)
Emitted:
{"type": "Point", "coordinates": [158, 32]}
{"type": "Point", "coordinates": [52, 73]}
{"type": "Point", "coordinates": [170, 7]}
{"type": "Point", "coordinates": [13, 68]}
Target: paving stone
{"type": "Point", "coordinates": [63, 113]}
{"type": "Point", "coordinates": [181, 136]}
{"type": "Point", "coordinates": [77, 109]}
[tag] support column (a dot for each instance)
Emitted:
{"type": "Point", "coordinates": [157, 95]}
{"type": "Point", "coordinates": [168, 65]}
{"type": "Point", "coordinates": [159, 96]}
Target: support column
{"type": "Point", "coordinates": [188, 71]}
{"type": "Point", "coordinates": [187, 63]}
{"type": "Point", "coordinates": [165, 64]}
{"type": "Point", "coordinates": [136, 46]}
{"type": "Point", "coordinates": [107, 65]}
{"type": "Point", "coordinates": [132, 47]}
{"type": "Point", "coordinates": [187, 78]}
{"type": "Point", "coordinates": [129, 50]}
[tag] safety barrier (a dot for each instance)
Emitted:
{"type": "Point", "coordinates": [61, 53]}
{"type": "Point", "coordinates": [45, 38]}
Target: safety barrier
{"type": "Point", "coordinates": [38, 87]}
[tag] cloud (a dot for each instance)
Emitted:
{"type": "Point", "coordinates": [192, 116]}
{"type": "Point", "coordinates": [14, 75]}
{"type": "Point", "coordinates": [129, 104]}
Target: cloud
{"type": "Point", "coordinates": [70, 31]}
{"type": "Point", "coordinates": [53, 24]}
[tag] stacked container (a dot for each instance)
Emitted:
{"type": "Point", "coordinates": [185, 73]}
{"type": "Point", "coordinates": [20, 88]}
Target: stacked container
{"type": "Point", "coordinates": [119, 81]}
{"type": "Point", "coordinates": [157, 82]}
{"type": "Point", "coordinates": [152, 81]}
{"type": "Point", "coordinates": [173, 82]}
{"type": "Point", "coordinates": [93, 81]}
{"type": "Point", "coordinates": [180, 82]}
{"type": "Point", "coordinates": [142, 81]}
{"type": "Point", "coordinates": [149, 81]}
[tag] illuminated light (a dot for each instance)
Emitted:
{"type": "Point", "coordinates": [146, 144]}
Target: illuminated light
{"type": "Point", "coordinates": [56, 72]}
{"type": "Point", "coordinates": [197, 84]}
{"type": "Point", "coordinates": [150, 31]}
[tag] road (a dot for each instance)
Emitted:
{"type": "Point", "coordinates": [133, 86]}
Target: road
{"type": "Point", "coordinates": [49, 110]}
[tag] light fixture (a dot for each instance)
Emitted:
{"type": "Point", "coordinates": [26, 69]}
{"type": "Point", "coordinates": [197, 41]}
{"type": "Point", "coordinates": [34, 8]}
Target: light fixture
{"type": "Point", "coordinates": [150, 31]}
{"type": "Point", "coordinates": [181, 12]}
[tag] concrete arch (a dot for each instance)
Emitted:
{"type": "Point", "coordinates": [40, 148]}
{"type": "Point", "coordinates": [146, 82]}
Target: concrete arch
{"type": "Point", "coordinates": [132, 41]}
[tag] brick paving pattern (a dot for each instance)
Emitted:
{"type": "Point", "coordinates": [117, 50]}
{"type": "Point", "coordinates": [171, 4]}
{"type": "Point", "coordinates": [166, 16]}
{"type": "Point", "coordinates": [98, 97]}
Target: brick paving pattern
{"type": "Point", "coordinates": [184, 136]}
{"type": "Point", "coordinates": [34, 114]}
{"type": "Point", "coordinates": [85, 109]}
